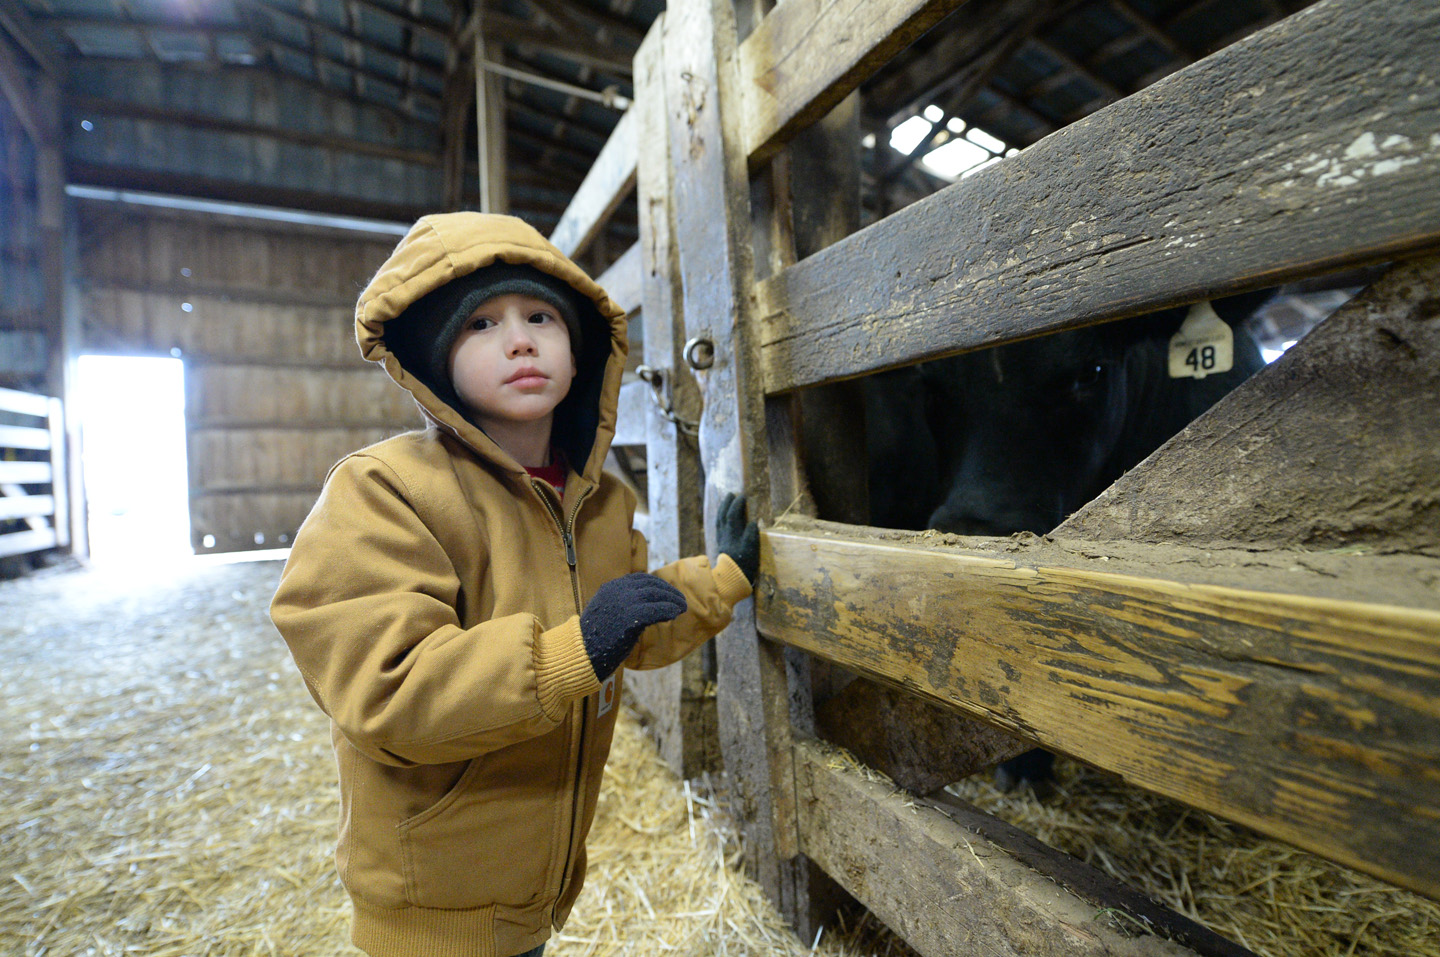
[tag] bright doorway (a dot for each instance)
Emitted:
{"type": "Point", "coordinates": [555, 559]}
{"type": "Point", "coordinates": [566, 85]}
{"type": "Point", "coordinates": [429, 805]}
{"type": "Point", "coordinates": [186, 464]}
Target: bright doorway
{"type": "Point", "coordinates": [132, 438]}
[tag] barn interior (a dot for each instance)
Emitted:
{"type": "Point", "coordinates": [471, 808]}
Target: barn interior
{"type": "Point", "coordinates": [194, 193]}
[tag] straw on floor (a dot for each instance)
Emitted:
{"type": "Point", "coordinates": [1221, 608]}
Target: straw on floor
{"type": "Point", "coordinates": [168, 791]}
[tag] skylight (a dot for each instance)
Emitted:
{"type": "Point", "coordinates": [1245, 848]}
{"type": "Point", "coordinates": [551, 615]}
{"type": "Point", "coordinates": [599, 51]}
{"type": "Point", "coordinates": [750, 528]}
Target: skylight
{"type": "Point", "coordinates": [960, 149]}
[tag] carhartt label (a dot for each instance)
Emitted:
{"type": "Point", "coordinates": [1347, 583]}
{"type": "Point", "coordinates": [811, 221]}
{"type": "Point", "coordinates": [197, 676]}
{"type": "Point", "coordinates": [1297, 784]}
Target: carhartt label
{"type": "Point", "coordinates": [607, 696]}
{"type": "Point", "coordinates": [1204, 345]}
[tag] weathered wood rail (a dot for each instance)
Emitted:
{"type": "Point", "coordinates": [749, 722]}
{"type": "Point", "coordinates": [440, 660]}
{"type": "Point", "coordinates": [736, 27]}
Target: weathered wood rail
{"type": "Point", "coordinates": [45, 515]}
{"type": "Point", "coordinates": [1191, 630]}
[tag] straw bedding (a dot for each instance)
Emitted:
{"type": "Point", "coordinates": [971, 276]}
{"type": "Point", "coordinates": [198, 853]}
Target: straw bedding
{"type": "Point", "coordinates": [169, 790]}
{"type": "Point", "coordinates": [1274, 899]}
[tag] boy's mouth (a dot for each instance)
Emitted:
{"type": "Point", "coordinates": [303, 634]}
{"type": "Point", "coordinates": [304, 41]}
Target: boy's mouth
{"type": "Point", "coordinates": [526, 375]}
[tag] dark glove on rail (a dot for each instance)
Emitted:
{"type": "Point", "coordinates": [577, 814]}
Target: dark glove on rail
{"type": "Point", "coordinates": [736, 538]}
{"type": "Point", "coordinates": [620, 610]}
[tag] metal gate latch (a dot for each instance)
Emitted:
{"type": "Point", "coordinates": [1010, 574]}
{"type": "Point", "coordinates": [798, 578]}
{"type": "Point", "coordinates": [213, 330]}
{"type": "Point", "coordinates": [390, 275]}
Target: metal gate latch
{"type": "Point", "coordinates": [655, 378]}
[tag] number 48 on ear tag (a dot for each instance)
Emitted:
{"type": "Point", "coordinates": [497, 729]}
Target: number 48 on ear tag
{"type": "Point", "coordinates": [1204, 345]}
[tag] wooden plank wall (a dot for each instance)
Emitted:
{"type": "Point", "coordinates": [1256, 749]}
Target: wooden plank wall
{"type": "Point", "coordinates": [263, 316]}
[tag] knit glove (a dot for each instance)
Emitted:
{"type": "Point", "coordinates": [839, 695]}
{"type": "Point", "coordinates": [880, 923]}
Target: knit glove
{"type": "Point", "coordinates": [620, 610]}
{"type": "Point", "coordinates": [736, 538]}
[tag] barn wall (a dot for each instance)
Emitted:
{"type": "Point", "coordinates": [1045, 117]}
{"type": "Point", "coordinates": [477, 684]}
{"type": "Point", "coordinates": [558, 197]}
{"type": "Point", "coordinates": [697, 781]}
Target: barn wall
{"type": "Point", "coordinates": [28, 326]}
{"type": "Point", "coordinates": [263, 317]}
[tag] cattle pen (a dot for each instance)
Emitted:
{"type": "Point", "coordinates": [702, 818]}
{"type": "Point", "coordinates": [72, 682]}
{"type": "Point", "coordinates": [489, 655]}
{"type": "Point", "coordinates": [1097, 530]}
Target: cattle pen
{"type": "Point", "coordinates": [1248, 623]}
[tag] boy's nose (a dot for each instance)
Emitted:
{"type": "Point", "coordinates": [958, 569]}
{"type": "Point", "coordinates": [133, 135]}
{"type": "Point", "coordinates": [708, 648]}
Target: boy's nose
{"type": "Point", "coordinates": [521, 342]}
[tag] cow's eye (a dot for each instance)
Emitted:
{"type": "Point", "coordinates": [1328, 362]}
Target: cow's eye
{"type": "Point", "coordinates": [1088, 378]}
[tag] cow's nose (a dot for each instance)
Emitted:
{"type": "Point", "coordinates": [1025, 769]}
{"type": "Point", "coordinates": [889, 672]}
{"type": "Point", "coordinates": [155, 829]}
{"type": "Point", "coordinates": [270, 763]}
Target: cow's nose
{"type": "Point", "coordinates": [959, 523]}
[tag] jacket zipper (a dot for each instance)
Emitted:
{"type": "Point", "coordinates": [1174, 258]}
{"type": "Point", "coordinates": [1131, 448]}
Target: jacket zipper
{"type": "Point", "coordinates": [567, 535]}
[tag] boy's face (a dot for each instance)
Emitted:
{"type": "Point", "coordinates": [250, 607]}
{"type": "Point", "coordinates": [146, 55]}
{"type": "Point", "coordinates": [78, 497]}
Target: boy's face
{"type": "Point", "coordinates": [511, 363]}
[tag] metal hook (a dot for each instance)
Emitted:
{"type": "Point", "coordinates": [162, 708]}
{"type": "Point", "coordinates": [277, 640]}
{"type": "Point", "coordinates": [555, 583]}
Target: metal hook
{"type": "Point", "coordinates": [655, 378]}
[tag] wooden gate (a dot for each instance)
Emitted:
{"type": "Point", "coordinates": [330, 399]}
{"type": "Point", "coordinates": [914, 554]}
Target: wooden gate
{"type": "Point", "coordinates": [1248, 623]}
{"type": "Point", "coordinates": [34, 504]}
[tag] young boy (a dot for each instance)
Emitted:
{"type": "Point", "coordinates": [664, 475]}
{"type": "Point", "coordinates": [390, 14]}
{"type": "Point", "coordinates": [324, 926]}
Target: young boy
{"type": "Point", "coordinates": [460, 600]}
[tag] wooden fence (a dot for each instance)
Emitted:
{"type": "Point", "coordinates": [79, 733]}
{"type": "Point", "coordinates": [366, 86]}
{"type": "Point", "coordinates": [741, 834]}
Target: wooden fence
{"type": "Point", "coordinates": [32, 457]}
{"type": "Point", "coordinates": [1210, 628]}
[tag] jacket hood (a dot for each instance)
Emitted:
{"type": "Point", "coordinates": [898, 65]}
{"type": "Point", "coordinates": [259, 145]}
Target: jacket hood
{"type": "Point", "coordinates": [446, 246]}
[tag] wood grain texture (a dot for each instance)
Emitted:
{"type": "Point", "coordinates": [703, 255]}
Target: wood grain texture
{"type": "Point", "coordinates": [806, 56]}
{"type": "Point", "coordinates": [1313, 720]}
{"type": "Point", "coordinates": [623, 280]}
{"type": "Point", "coordinates": [1336, 444]}
{"type": "Point", "coordinates": [604, 188]}
{"type": "Point", "coordinates": [683, 715]}
{"type": "Point", "coordinates": [712, 235]}
{"type": "Point", "coordinates": [944, 888]}
{"type": "Point", "coordinates": [1305, 147]}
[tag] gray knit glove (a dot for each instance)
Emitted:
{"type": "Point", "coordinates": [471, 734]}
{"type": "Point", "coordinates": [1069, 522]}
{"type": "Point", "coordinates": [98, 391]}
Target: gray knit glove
{"type": "Point", "coordinates": [737, 538]}
{"type": "Point", "coordinates": [620, 610]}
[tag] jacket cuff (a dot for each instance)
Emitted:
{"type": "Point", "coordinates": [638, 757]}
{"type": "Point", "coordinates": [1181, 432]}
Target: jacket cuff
{"type": "Point", "coordinates": [563, 672]}
{"type": "Point", "coordinates": [731, 581]}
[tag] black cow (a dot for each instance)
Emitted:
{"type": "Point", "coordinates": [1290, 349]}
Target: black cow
{"type": "Point", "coordinates": [1018, 437]}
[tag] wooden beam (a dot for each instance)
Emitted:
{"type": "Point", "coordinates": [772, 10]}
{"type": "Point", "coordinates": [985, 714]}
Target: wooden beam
{"type": "Point", "coordinates": [15, 86]}
{"type": "Point", "coordinates": [712, 232]}
{"type": "Point", "coordinates": [26, 473]}
{"type": "Point", "coordinates": [684, 717]}
{"type": "Point", "coordinates": [1042, 241]}
{"type": "Point", "coordinates": [80, 103]}
{"type": "Point", "coordinates": [24, 437]}
{"type": "Point", "coordinates": [573, 48]}
{"type": "Point", "coordinates": [1233, 688]}
{"type": "Point", "coordinates": [606, 186]}
{"type": "Point", "coordinates": [163, 181]}
{"type": "Point", "coordinates": [623, 280]}
{"type": "Point", "coordinates": [32, 540]}
{"type": "Point", "coordinates": [490, 122]}
{"type": "Point", "coordinates": [806, 56]}
{"type": "Point", "coordinates": [600, 18]}
{"type": "Point", "coordinates": [1083, 880]}
{"type": "Point", "coordinates": [26, 506]}
{"type": "Point", "coordinates": [944, 888]}
{"type": "Point", "coordinates": [1307, 474]}
{"type": "Point", "coordinates": [18, 23]}
{"type": "Point", "coordinates": [634, 410]}
{"type": "Point", "coordinates": [395, 53]}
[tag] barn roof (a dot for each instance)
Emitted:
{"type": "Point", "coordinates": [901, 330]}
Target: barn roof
{"type": "Point", "coordinates": [354, 105]}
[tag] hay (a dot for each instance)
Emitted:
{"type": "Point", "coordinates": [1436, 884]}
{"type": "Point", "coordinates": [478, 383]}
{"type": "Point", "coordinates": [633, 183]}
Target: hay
{"type": "Point", "coordinates": [170, 791]}
{"type": "Point", "coordinates": [1276, 900]}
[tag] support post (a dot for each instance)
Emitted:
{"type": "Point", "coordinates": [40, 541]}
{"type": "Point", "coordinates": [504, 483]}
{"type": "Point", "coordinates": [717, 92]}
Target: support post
{"type": "Point", "coordinates": [675, 697]}
{"type": "Point", "coordinates": [712, 233]}
{"type": "Point", "coordinates": [490, 122]}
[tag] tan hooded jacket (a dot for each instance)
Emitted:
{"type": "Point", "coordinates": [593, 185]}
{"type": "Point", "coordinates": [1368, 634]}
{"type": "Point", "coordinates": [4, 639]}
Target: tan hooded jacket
{"type": "Point", "coordinates": [431, 602]}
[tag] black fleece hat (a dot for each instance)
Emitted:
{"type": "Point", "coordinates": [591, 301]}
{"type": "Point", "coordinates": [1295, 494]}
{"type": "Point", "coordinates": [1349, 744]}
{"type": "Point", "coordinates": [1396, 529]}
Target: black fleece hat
{"type": "Point", "coordinates": [422, 335]}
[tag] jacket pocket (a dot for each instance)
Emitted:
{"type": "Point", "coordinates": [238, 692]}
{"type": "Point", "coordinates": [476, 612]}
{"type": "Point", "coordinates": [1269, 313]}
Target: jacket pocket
{"type": "Point", "coordinates": [488, 840]}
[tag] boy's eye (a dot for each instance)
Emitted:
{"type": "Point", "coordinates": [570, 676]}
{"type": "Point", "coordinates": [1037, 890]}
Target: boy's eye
{"type": "Point", "coordinates": [480, 322]}
{"type": "Point", "coordinates": [539, 317]}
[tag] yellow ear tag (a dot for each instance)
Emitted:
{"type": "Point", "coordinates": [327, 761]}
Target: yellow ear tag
{"type": "Point", "coordinates": [1204, 345]}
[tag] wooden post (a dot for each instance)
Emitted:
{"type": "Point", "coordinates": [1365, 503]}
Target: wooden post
{"type": "Point", "coordinates": [490, 121]}
{"type": "Point", "coordinates": [684, 718]}
{"type": "Point", "coordinates": [712, 233]}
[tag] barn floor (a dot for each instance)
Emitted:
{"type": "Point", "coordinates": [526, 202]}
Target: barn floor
{"type": "Point", "coordinates": [168, 790]}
